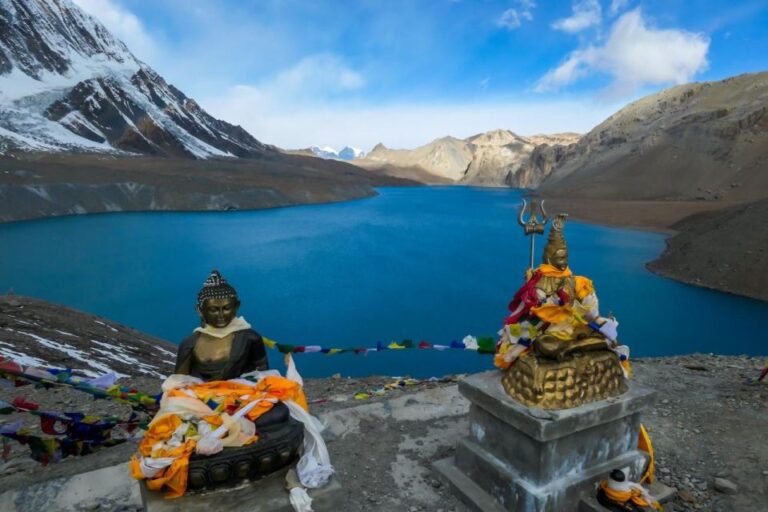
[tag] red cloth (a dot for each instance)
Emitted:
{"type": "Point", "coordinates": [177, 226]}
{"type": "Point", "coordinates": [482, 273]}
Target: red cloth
{"type": "Point", "coordinates": [527, 296]}
{"type": "Point", "coordinates": [22, 403]}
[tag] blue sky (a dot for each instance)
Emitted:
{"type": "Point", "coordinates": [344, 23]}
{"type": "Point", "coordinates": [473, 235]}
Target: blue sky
{"type": "Point", "coordinates": [403, 72]}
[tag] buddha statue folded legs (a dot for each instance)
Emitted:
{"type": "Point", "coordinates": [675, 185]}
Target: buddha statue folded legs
{"type": "Point", "coordinates": [555, 349]}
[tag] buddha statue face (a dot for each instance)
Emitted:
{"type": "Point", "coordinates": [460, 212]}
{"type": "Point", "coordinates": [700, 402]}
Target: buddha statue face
{"type": "Point", "coordinates": [219, 312]}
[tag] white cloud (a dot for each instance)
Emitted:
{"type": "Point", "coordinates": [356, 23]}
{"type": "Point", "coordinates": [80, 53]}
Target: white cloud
{"type": "Point", "coordinates": [617, 5]}
{"type": "Point", "coordinates": [308, 104]}
{"type": "Point", "coordinates": [634, 55]}
{"type": "Point", "coordinates": [320, 74]}
{"type": "Point", "coordinates": [123, 24]}
{"type": "Point", "coordinates": [513, 17]}
{"type": "Point", "coordinates": [314, 79]}
{"type": "Point", "coordinates": [586, 13]}
{"type": "Point", "coordinates": [397, 125]}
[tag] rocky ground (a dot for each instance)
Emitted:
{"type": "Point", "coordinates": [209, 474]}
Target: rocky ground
{"type": "Point", "coordinates": [707, 429]}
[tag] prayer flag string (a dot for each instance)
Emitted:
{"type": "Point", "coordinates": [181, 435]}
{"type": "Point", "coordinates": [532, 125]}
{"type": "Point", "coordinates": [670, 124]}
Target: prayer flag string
{"type": "Point", "coordinates": [100, 387]}
{"type": "Point", "coordinates": [481, 345]}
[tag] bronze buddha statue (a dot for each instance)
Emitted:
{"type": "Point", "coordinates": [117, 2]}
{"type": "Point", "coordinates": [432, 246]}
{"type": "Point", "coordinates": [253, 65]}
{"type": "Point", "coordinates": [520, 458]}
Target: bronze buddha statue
{"type": "Point", "coordinates": [556, 351]}
{"type": "Point", "coordinates": [225, 346]}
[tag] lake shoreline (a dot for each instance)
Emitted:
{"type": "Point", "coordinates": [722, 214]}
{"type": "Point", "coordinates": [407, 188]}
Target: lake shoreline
{"type": "Point", "coordinates": [706, 240]}
{"type": "Point", "coordinates": [39, 186]}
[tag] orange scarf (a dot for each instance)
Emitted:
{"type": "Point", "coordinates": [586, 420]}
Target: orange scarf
{"type": "Point", "coordinates": [632, 495]}
{"type": "Point", "coordinates": [228, 395]}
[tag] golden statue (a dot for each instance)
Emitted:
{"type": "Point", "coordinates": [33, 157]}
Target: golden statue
{"type": "Point", "coordinates": [555, 350]}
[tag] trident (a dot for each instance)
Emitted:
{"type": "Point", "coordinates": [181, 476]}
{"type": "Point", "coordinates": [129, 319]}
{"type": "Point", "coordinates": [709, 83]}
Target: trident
{"type": "Point", "coordinates": [533, 226]}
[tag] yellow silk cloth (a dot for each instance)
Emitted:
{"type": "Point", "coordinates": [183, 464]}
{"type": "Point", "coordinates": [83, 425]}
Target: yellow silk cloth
{"type": "Point", "coordinates": [644, 444]}
{"type": "Point", "coordinates": [552, 271]}
{"type": "Point", "coordinates": [557, 314]}
{"type": "Point", "coordinates": [226, 394]}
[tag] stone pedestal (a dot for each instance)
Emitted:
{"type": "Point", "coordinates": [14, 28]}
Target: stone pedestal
{"type": "Point", "coordinates": [517, 458]}
{"type": "Point", "coordinates": [265, 495]}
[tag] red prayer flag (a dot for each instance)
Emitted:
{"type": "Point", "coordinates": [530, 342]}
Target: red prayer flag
{"type": "Point", "coordinates": [21, 403]}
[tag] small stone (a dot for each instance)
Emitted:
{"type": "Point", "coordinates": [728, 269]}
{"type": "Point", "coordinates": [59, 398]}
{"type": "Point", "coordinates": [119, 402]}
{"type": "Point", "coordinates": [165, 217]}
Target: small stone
{"type": "Point", "coordinates": [726, 486]}
{"type": "Point", "coordinates": [686, 496]}
{"type": "Point", "coordinates": [436, 483]}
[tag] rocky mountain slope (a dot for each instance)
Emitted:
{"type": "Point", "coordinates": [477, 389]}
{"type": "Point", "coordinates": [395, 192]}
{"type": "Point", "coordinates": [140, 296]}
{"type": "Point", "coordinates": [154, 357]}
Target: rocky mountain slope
{"type": "Point", "coordinates": [691, 159]}
{"type": "Point", "coordinates": [66, 83]}
{"type": "Point", "coordinates": [86, 127]}
{"type": "Point", "coordinates": [494, 158]}
{"type": "Point", "coordinates": [43, 185]}
{"type": "Point", "coordinates": [723, 249]}
{"type": "Point", "coordinates": [38, 333]}
{"type": "Point", "coordinates": [700, 141]}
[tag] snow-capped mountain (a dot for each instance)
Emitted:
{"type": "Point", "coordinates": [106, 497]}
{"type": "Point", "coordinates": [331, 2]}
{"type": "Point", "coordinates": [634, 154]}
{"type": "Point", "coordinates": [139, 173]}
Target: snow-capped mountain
{"type": "Point", "coordinates": [324, 152]}
{"type": "Point", "coordinates": [348, 153]}
{"type": "Point", "coordinates": [66, 83]}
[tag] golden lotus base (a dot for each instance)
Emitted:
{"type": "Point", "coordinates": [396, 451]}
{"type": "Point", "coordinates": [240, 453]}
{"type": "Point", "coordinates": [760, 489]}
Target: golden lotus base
{"type": "Point", "coordinates": [583, 378]}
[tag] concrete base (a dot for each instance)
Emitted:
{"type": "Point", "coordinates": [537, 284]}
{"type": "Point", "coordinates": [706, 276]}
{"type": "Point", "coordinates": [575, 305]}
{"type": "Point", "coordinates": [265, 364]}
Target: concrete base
{"type": "Point", "coordinates": [265, 495]}
{"type": "Point", "coordinates": [109, 488]}
{"type": "Point", "coordinates": [525, 459]}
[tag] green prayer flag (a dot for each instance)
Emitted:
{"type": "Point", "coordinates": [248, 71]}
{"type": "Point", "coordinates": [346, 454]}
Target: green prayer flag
{"type": "Point", "coordinates": [486, 345]}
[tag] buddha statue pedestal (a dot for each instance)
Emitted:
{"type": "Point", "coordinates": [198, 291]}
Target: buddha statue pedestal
{"type": "Point", "coordinates": [265, 495]}
{"type": "Point", "coordinates": [519, 458]}
{"type": "Point", "coordinates": [550, 384]}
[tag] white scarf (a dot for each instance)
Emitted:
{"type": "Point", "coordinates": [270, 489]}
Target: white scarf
{"type": "Point", "coordinates": [238, 324]}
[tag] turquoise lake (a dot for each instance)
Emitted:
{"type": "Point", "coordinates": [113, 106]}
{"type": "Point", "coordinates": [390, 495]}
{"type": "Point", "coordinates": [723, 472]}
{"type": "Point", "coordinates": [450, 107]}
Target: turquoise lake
{"type": "Point", "coordinates": [427, 263]}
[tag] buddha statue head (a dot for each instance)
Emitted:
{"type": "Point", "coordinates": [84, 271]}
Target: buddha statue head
{"type": "Point", "coordinates": [556, 250]}
{"type": "Point", "coordinates": [217, 301]}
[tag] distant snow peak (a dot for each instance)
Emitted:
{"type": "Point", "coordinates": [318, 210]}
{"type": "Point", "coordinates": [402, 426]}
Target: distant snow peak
{"type": "Point", "coordinates": [348, 153]}
{"type": "Point", "coordinates": [66, 83]}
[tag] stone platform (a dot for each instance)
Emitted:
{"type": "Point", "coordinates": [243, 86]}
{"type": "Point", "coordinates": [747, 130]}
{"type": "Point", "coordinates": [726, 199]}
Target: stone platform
{"type": "Point", "coordinates": [265, 495]}
{"type": "Point", "coordinates": [517, 458]}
